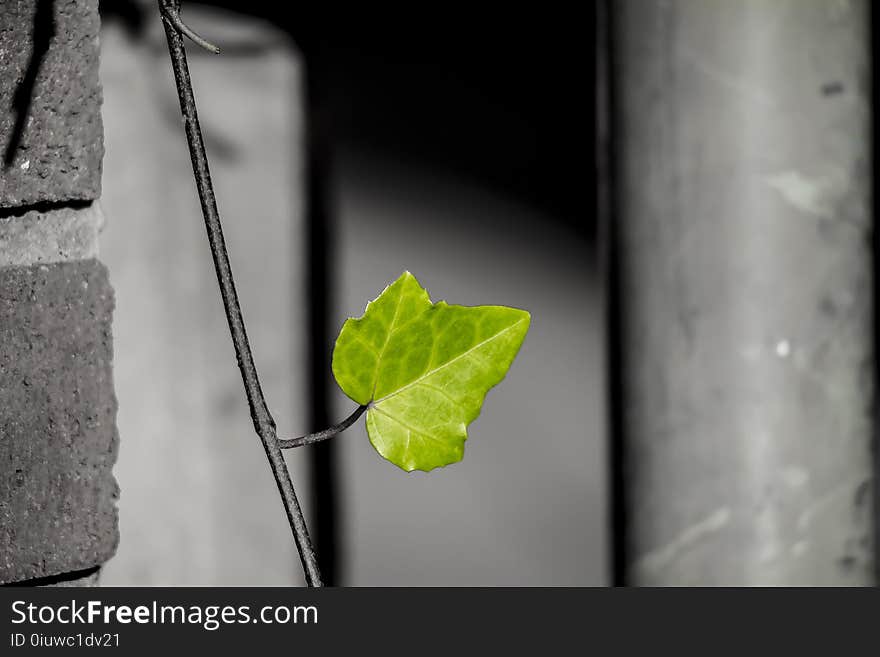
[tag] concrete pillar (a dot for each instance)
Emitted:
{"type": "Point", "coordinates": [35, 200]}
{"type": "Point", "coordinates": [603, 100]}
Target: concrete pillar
{"type": "Point", "coordinates": [745, 292]}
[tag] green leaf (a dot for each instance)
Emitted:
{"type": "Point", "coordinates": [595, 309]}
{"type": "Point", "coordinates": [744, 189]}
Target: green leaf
{"type": "Point", "coordinates": [424, 369]}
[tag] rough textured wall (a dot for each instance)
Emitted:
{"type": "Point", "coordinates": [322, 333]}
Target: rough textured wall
{"type": "Point", "coordinates": [58, 436]}
{"type": "Point", "coordinates": [50, 120]}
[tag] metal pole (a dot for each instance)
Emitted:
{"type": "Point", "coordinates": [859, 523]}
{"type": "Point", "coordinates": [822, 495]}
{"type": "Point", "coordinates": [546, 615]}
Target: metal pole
{"type": "Point", "coordinates": [745, 290]}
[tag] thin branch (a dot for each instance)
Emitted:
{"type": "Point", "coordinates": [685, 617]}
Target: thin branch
{"type": "Point", "coordinates": [263, 422]}
{"type": "Point", "coordinates": [318, 436]}
{"type": "Point", "coordinates": [173, 16]}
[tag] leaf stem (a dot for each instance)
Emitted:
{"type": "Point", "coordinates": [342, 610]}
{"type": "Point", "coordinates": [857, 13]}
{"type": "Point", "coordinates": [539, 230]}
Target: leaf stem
{"type": "Point", "coordinates": [318, 436]}
{"type": "Point", "coordinates": [262, 419]}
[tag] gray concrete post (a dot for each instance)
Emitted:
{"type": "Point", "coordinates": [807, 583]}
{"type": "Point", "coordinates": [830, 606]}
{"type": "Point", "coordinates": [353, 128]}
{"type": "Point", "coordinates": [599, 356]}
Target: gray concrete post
{"type": "Point", "coordinates": [742, 135]}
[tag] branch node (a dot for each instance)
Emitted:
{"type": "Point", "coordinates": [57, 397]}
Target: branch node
{"type": "Point", "coordinates": [171, 15]}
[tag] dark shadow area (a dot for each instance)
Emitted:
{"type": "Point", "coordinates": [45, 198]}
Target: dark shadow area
{"type": "Point", "coordinates": [503, 100]}
{"type": "Point", "coordinates": [129, 13]}
{"type": "Point", "coordinates": [325, 523]}
{"type": "Point", "coordinates": [57, 580]}
{"type": "Point", "coordinates": [44, 31]}
{"type": "Point", "coordinates": [611, 253]}
{"type": "Point", "coordinates": [42, 207]}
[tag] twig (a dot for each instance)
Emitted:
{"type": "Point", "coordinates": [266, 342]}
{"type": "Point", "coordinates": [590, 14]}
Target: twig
{"type": "Point", "coordinates": [173, 17]}
{"type": "Point", "coordinates": [263, 422]}
{"type": "Point", "coordinates": [318, 436]}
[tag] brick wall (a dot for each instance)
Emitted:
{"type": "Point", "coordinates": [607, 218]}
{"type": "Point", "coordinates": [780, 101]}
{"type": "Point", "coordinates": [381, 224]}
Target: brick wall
{"type": "Point", "coordinates": [58, 438]}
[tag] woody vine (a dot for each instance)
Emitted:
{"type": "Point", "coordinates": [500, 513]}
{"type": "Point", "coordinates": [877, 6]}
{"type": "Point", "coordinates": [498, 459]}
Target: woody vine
{"type": "Point", "coordinates": [419, 370]}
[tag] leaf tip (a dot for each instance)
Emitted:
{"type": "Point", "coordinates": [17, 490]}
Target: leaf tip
{"type": "Point", "coordinates": [524, 317]}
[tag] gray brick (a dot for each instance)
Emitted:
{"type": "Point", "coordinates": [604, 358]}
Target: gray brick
{"type": "Point", "coordinates": [58, 438]}
{"type": "Point", "coordinates": [34, 237]}
{"type": "Point", "coordinates": [51, 141]}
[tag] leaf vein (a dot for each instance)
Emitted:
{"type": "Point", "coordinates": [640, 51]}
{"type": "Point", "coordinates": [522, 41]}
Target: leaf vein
{"type": "Point", "coordinates": [366, 344]}
{"type": "Point", "coordinates": [440, 390]}
{"type": "Point", "coordinates": [449, 362]}
{"type": "Point", "coordinates": [391, 331]}
{"type": "Point", "coordinates": [410, 429]}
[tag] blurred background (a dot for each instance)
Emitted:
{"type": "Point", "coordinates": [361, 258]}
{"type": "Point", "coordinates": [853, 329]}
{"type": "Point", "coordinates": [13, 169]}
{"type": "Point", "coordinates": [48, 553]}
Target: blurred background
{"type": "Point", "coordinates": [346, 148]}
{"type": "Point", "coordinates": [680, 191]}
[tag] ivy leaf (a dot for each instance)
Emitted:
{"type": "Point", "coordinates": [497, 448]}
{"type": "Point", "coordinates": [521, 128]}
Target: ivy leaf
{"type": "Point", "coordinates": [423, 369]}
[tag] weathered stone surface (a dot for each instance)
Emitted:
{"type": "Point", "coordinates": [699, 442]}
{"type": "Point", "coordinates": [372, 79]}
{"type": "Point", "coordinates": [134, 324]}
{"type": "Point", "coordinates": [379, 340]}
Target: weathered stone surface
{"type": "Point", "coordinates": [51, 141]}
{"type": "Point", "coordinates": [58, 438]}
{"type": "Point", "coordinates": [34, 237]}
